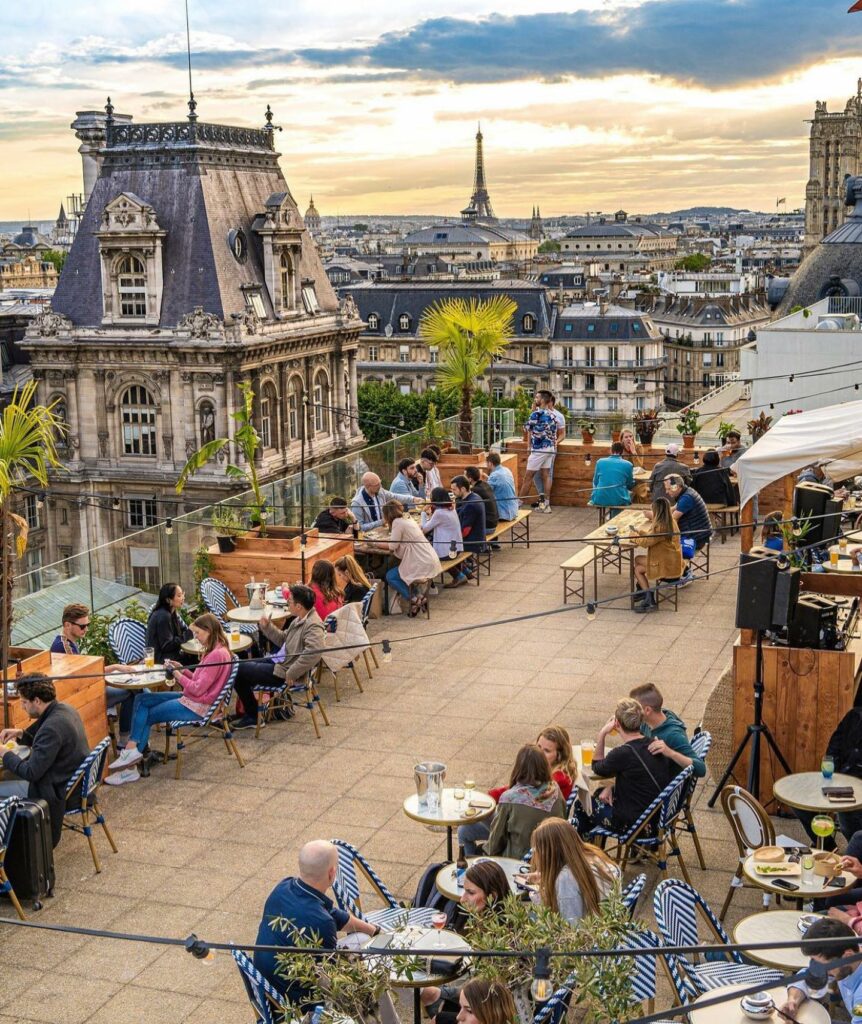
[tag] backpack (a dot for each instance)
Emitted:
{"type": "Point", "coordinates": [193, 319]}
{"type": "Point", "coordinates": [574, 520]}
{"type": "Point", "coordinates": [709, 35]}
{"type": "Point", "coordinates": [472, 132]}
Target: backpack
{"type": "Point", "coordinates": [428, 895]}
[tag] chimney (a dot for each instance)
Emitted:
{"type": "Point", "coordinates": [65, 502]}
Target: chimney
{"type": "Point", "coordinates": [89, 128]}
{"type": "Point", "coordinates": [603, 305]}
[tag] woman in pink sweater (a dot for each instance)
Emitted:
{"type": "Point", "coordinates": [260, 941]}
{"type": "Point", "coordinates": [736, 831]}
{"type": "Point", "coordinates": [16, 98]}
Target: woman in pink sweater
{"type": "Point", "coordinates": [200, 689]}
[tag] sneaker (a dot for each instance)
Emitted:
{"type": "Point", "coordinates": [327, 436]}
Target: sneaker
{"type": "Point", "coordinates": [546, 508]}
{"type": "Point", "coordinates": [459, 581]}
{"type": "Point", "coordinates": [129, 756]}
{"type": "Point", "coordinates": [246, 722]}
{"type": "Point", "coordinates": [121, 778]}
{"type": "Point", "coordinates": [686, 578]}
{"type": "Point", "coordinates": [538, 504]}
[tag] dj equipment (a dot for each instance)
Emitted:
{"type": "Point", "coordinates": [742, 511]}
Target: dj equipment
{"type": "Point", "coordinates": [765, 594]}
{"type": "Point", "coordinates": [814, 623]}
{"type": "Point", "coordinates": [816, 501]}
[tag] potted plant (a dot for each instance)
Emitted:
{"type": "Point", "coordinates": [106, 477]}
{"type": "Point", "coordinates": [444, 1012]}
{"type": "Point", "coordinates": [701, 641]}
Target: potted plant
{"type": "Point", "coordinates": [724, 429]}
{"type": "Point", "coordinates": [757, 428]}
{"type": "Point", "coordinates": [227, 523]}
{"type": "Point", "coordinates": [588, 430]}
{"type": "Point", "coordinates": [616, 427]}
{"type": "Point", "coordinates": [646, 426]}
{"type": "Point", "coordinates": [688, 426]}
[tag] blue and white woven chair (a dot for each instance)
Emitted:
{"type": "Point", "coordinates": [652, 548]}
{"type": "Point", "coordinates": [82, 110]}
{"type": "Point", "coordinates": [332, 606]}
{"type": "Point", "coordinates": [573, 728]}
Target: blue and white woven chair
{"type": "Point", "coordinates": [365, 612]}
{"type": "Point", "coordinates": [215, 596]}
{"type": "Point", "coordinates": [346, 890]}
{"type": "Point", "coordinates": [263, 996]}
{"type": "Point", "coordinates": [83, 786]}
{"type": "Point", "coordinates": [632, 893]}
{"type": "Point", "coordinates": [653, 834]}
{"type": "Point", "coordinates": [8, 810]}
{"type": "Point", "coordinates": [676, 906]}
{"type": "Point", "coordinates": [127, 638]}
{"type": "Point", "coordinates": [701, 744]}
{"type": "Point", "coordinates": [215, 718]}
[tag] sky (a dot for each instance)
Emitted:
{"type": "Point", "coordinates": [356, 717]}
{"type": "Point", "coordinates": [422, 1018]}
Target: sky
{"type": "Point", "coordinates": [585, 105]}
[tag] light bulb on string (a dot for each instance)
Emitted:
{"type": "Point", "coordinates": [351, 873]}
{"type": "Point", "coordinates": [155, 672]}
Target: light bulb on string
{"type": "Point", "coordinates": [591, 611]}
{"type": "Point", "coordinates": [401, 421]}
{"type": "Point", "coordinates": [696, 459]}
{"type": "Point", "coordinates": [169, 526]}
{"type": "Point", "coordinates": [199, 949]}
{"type": "Point", "coordinates": [541, 987]}
{"type": "Point", "coordinates": [790, 378]}
{"type": "Point", "coordinates": [387, 652]}
{"type": "Point", "coordinates": [588, 459]}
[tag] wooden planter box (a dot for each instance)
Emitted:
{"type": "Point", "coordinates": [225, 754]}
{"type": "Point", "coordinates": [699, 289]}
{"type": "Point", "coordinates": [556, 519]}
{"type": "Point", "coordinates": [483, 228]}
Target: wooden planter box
{"type": "Point", "coordinates": [451, 464]}
{"type": "Point", "coordinates": [276, 557]}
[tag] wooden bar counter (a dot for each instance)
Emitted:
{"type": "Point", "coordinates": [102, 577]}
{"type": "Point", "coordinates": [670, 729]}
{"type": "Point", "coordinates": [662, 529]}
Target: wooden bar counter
{"type": "Point", "coordinates": [81, 684]}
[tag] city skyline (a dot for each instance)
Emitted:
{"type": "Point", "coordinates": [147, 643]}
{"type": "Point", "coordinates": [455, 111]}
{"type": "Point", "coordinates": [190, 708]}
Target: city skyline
{"type": "Point", "coordinates": [585, 105]}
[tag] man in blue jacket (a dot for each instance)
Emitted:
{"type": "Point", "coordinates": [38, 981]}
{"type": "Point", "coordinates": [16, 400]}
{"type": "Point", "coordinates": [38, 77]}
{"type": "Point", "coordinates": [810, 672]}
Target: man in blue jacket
{"type": "Point", "coordinates": [613, 479]}
{"type": "Point", "coordinates": [405, 485]}
{"type": "Point", "coordinates": [471, 515]}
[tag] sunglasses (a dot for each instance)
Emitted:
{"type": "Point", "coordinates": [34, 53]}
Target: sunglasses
{"type": "Point", "coordinates": [82, 625]}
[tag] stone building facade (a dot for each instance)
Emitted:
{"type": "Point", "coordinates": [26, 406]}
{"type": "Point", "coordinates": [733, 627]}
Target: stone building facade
{"type": "Point", "coordinates": [835, 150]}
{"type": "Point", "coordinates": [191, 273]}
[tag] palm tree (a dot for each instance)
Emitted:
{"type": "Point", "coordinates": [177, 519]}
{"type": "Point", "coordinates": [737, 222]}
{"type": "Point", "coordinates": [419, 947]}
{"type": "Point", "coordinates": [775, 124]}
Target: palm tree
{"type": "Point", "coordinates": [28, 450]}
{"type": "Point", "coordinates": [469, 335]}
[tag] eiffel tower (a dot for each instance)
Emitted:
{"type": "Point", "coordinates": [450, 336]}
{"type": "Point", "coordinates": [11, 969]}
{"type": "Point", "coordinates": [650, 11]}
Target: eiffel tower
{"type": "Point", "coordinates": [479, 208]}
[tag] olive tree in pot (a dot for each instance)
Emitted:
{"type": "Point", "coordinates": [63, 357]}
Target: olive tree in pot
{"type": "Point", "coordinates": [227, 524]}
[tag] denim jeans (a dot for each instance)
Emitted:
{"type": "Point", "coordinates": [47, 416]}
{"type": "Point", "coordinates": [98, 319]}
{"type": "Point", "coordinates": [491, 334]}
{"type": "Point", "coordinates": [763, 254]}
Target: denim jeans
{"type": "Point", "coordinates": [157, 707]}
{"type": "Point", "coordinates": [115, 695]}
{"type": "Point", "coordinates": [394, 580]}
{"type": "Point", "coordinates": [472, 834]}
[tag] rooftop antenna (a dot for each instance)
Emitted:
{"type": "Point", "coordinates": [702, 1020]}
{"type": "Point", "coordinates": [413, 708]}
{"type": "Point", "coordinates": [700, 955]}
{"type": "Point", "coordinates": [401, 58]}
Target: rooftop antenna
{"type": "Point", "coordinates": [192, 104]}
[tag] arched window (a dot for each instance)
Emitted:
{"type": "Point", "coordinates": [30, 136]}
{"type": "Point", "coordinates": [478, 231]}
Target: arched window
{"type": "Point", "coordinates": [288, 282]}
{"type": "Point", "coordinates": [58, 406]}
{"type": "Point", "coordinates": [321, 402]}
{"type": "Point", "coordinates": [528, 323]}
{"type": "Point", "coordinates": [206, 421]}
{"type": "Point", "coordinates": [294, 403]}
{"type": "Point", "coordinates": [269, 416]}
{"type": "Point", "coordinates": [138, 411]}
{"type": "Point", "coordinates": [373, 322]}
{"type": "Point", "coordinates": [132, 286]}
{"type": "Point", "coordinates": [404, 322]}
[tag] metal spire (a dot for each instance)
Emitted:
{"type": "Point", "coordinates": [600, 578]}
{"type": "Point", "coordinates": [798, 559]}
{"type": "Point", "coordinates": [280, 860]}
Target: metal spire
{"type": "Point", "coordinates": [192, 103]}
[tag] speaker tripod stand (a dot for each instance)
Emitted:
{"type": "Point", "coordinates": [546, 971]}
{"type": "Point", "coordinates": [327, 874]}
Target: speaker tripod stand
{"type": "Point", "coordinates": [755, 732]}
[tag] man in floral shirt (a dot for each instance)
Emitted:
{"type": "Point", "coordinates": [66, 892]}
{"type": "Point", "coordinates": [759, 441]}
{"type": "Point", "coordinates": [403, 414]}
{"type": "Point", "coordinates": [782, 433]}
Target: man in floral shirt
{"type": "Point", "coordinates": [540, 430]}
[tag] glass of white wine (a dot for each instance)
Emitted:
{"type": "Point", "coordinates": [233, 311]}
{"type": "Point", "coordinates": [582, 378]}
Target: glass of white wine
{"type": "Point", "coordinates": [469, 785]}
{"type": "Point", "coordinates": [459, 797]}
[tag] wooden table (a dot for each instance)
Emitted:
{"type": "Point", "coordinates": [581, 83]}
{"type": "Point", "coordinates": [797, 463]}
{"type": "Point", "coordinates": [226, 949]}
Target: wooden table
{"type": "Point", "coordinates": [816, 890]}
{"type": "Point", "coordinates": [247, 614]}
{"type": "Point", "coordinates": [730, 1012]}
{"type": "Point", "coordinates": [802, 790]}
{"type": "Point", "coordinates": [614, 548]}
{"type": "Point", "coordinates": [449, 812]}
{"type": "Point", "coordinates": [242, 643]}
{"type": "Point", "coordinates": [777, 925]}
{"type": "Point", "coordinates": [445, 879]}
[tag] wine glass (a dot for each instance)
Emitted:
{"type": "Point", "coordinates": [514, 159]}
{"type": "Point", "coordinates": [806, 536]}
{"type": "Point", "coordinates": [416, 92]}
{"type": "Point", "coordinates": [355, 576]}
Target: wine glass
{"type": "Point", "coordinates": [459, 796]}
{"type": "Point", "coordinates": [438, 920]}
{"type": "Point", "coordinates": [822, 825]}
{"type": "Point", "coordinates": [469, 785]}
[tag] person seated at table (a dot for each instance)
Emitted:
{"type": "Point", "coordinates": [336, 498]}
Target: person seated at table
{"type": "Point", "coordinates": [327, 596]}
{"type": "Point", "coordinates": [200, 688]}
{"type": "Point", "coordinates": [76, 622]}
{"type": "Point", "coordinates": [471, 515]}
{"type": "Point", "coordinates": [573, 876]}
{"type": "Point", "coordinates": [669, 464]}
{"type": "Point", "coordinates": [689, 511]}
{"type": "Point", "coordinates": [633, 452]}
{"type": "Point", "coordinates": [531, 797]}
{"type": "Point", "coordinates": [486, 493]}
{"type": "Point", "coordinates": [502, 483]}
{"type": "Point", "coordinates": [816, 474]}
{"type": "Point", "coordinates": [818, 949]}
{"type": "Point", "coordinates": [428, 460]}
{"type": "Point", "coordinates": [58, 745]}
{"type": "Point", "coordinates": [335, 518]}
{"type": "Point", "coordinates": [442, 526]}
{"type": "Point", "coordinates": [663, 560]}
{"type": "Point", "coordinates": [405, 485]}
{"type": "Point", "coordinates": [556, 744]}
{"type": "Point", "coordinates": [351, 579]}
{"type": "Point", "coordinates": [639, 775]}
{"type": "Point", "coordinates": [613, 479]}
{"type": "Point", "coordinates": [486, 1002]}
{"type": "Point", "coordinates": [298, 652]}
{"type": "Point", "coordinates": [418, 561]}
{"type": "Point", "coordinates": [666, 729]}
{"type": "Point", "coordinates": [166, 631]}
{"type": "Point", "coordinates": [301, 904]}
{"type": "Point", "coordinates": [733, 448]}
{"type": "Point", "coordinates": [770, 532]}
{"type": "Point", "coordinates": [712, 482]}
{"type": "Point", "coordinates": [485, 888]}
{"type": "Point", "coordinates": [368, 502]}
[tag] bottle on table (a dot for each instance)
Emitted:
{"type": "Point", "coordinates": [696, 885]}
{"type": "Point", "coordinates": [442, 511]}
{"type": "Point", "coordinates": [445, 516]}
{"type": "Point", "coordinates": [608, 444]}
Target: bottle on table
{"type": "Point", "coordinates": [460, 868]}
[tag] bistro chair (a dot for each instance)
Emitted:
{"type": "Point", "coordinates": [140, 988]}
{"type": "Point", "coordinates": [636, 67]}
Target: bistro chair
{"type": "Point", "coordinates": [264, 997]}
{"type": "Point", "coordinates": [349, 619]}
{"type": "Point", "coordinates": [215, 596]}
{"type": "Point", "coordinates": [677, 907]}
{"type": "Point", "coordinates": [8, 810]}
{"type": "Point", "coordinates": [346, 890]}
{"type": "Point", "coordinates": [215, 718]}
{"type": "Point", "coordinates": [365, 613]}
{"type": "Point", "coordinates": [752, 828]}
{"type": "Point", "coordinates": [632, 893]}
{"type": "Point", "coordinates": [127, 638]}
{"type": "Point", "coordinates": [81, 790]}
{"type": "Point", "coordinates": [701, 743]}
{"type": "Point", "coordinates": [653, 835]}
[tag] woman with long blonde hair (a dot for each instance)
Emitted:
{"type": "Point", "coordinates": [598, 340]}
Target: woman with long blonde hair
{"type": "Point", "coordinates": [573, 876]}
{"type": "Point", "coordinates": [556, 744]}
{"type": "Point", "coordinates": [351, 579]}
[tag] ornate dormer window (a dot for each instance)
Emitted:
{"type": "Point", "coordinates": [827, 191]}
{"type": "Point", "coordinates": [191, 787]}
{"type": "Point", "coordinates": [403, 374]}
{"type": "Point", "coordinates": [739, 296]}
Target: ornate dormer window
{"type": "Point", "coordinates": [130, 251]}
{"type": "Point", "coordinates": [280, 230]}
{"type": "Point", "coordinates": [288, 282]}
{"type": "Point", "coordinates": [404, 322]}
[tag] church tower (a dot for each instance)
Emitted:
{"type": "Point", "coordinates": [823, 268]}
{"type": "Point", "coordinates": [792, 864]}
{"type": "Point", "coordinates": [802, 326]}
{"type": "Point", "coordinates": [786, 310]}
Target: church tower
{"type": "Point", "coordinates": [479, 207]}
{"type": "Point", "coordinates": [835, 151]}
{"type": "Point", "coordinates": [537, 229]}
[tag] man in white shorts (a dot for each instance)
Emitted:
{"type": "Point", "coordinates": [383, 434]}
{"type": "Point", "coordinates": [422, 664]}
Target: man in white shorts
{"type": "Point", "coordinates": [541, 431]}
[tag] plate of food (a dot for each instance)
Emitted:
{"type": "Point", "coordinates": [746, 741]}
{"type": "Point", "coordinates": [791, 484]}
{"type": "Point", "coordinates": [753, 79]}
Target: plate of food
{"type": "Point", "coordinates": [785, 870]}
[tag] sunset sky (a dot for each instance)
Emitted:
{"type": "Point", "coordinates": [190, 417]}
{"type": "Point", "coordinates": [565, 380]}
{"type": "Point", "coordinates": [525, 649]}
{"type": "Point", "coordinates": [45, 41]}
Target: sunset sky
{"type": "Point", "coordinates": [585, 105]}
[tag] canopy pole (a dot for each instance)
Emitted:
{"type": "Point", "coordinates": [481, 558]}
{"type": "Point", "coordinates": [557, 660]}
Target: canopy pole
{"type": "Point", "coordinates": [746, 518]}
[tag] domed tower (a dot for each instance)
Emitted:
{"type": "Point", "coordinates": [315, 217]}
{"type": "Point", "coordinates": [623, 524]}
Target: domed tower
{"type": "Point", "coordinates": [312, 217]}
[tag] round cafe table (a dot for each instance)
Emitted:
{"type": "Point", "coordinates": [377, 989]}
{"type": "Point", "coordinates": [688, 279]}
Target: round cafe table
{"type": "Point", "coordinates": [250, 615]}
{"type": "Point", "coordinates": [445, 880]}
{"type": "Point", "coordinates": [803, 790]}
{"type": "Point", "coordinates": [778, 926]}
{"type": "Point", "coordinates": [141, 679]}
{"type": "Point", "coordinates": [450, 944]}
{"type": "Point", "coordinates": [815, 890]}
{"type": "Point", "coordinates": [451, 812]}
{"type": "Point", "coordinates": [730, 1012]}
{"type": "Point", "coordinates": [242, 643]}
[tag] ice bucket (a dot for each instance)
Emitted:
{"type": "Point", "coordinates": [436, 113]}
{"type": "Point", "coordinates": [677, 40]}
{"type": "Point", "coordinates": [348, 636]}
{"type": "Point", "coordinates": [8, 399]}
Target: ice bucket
{"type": "Point", "coordinates": [256, 595]}
{"type": "Point", "coordinates": [429, 776]}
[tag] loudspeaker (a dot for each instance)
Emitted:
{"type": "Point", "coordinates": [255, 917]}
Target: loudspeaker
{"type": "Point", "coordinates": [786, 595]}
{"type": "Point", "coordinates": [816, 501]}
{"type": "Point", "coordinates": [755, 591]}
{"type": "Point", "coordinates": [830, 529]}
{"type": "Point", "coordinates": [813, 617]}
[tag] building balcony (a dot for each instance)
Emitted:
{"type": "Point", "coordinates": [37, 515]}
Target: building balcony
{"type": "Point", "coordinates": [584, 366]}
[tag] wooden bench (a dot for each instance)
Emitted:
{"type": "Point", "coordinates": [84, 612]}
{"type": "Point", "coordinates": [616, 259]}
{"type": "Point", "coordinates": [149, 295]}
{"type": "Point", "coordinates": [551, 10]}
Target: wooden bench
{"type": "Point", "coordinates": [725, 515]}
{"type": "Point", "coordinates": [459, 559]}
{"type": "Point", "coordinates": [579, 562]}
{"type": "Point", "coordinates": [518, 530]}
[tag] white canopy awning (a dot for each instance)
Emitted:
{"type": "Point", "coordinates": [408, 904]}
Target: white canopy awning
{"type": "Point", "coordinates": [830, 436]}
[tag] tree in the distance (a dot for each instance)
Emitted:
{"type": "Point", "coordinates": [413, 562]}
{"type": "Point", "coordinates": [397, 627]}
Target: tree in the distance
{"type": "Point", "coordinates": [694, 263]}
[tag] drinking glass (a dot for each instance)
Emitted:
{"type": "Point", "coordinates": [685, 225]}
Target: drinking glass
{"type": "Point", "coordinates": [438, 919]}
{"type": "Point", "coordinates": [149, 657]}
{"type": "Point", "coordinates": [842, 545]}
{"type": "Point", "coordinates": [469, 786]}
{"type": "Point", "coordinates": [234, 635]}
{"type": "Point", "coordinates": [587, 748]}
{"type": "Point", "coordinates": [807, 869]}
{"type": "Point", "coordinates": [834, 555]}
{"type": "Point", "coordinates": [459, 796]}
{"type": "Point", "coordinates": [827, 767]}
{"type": "Point", "coordinates": [822, 826]}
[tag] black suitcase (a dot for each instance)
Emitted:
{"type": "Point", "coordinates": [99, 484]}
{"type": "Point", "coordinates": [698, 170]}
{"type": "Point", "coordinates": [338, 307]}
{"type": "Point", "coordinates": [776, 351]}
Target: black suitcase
{"type": "Point", "coordinates": [30, 856]}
